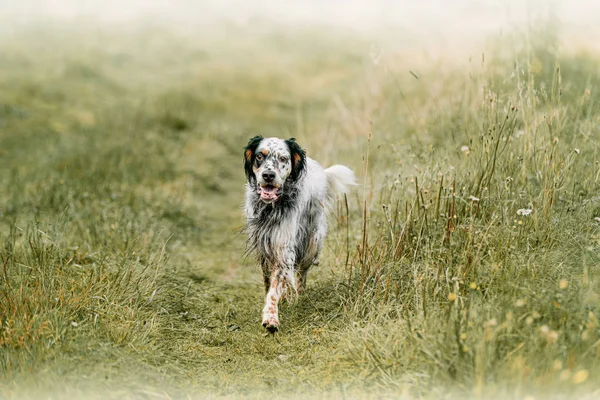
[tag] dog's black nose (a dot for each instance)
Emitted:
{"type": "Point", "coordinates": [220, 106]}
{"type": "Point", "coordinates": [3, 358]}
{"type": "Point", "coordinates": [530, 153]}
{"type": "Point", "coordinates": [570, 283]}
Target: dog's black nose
{"type": "Point", "coordinates": [269, 176]}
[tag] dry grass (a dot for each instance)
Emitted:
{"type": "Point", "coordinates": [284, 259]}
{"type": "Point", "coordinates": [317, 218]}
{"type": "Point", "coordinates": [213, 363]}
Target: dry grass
{"type": "Point", "coordinates": [122, 270]}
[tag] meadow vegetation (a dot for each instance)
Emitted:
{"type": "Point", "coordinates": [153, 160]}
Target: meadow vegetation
{"type": "Point", "coordinates": [464, 265]}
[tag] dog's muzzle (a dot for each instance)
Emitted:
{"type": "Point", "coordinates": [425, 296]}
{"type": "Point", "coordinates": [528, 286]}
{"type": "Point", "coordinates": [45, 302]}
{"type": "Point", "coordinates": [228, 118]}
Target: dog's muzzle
{"type": "Point", "coordinates": [268, 193]}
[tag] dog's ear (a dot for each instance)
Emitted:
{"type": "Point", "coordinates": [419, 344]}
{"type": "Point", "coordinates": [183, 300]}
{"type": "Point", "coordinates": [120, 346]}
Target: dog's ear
{"type": "Point", "coordinates": [298, 157]}
{"type": "Point", "coordinates": [249, 154]}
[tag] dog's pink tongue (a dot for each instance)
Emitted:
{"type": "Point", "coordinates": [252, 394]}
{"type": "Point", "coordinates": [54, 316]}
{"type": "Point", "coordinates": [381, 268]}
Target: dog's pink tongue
{"type": "Point", "coordinates": [268, 193]}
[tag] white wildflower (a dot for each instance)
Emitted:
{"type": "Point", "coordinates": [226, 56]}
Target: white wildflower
{"type": "Point", "coordinates": [491, 322]}
{"type": "Point", "coordinates": [473, 198]}
{"type": "Point", "coordinates": [465, 149]}
{"type": "Point", "coordinates": [520, 302]}
{"type": "Point", "coordinates": [524, 211]}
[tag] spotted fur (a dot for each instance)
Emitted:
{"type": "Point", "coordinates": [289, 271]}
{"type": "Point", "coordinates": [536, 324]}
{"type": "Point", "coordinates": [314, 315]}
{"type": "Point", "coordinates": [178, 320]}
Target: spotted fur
{"type": "Point", "coordinates": [287, 195]}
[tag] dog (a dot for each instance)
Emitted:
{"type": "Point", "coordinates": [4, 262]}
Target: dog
{"type": "Point", "coordinates": [286, 203]}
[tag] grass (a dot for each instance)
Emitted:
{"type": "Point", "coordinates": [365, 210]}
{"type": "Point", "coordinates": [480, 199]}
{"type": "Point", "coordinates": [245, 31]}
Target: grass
{"type": "Point", "coordinates": [123, 273]}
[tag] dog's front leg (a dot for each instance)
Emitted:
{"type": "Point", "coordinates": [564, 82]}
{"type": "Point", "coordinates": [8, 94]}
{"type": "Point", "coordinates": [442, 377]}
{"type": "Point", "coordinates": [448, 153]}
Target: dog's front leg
{"type": "Point", "coordinates": [266, 271]}
{"type": "Point", "coordinates": [282, 277]}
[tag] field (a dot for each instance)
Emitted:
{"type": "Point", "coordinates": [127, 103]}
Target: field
{"type": "Point", "coordinates": [465, 265]}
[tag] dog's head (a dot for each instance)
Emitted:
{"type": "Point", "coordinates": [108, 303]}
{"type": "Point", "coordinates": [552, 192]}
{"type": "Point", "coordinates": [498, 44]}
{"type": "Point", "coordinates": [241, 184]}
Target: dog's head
{"type": "Point", "coordinates": [271, 164]}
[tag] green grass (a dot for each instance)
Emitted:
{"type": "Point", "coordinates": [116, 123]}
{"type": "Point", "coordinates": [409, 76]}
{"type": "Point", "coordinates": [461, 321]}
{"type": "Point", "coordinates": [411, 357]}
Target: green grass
{"type": "Point", "coordinates": [122, 263]}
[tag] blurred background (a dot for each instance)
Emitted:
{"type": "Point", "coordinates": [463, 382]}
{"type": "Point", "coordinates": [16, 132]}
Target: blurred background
{"type": "Point", "coordinates": [446, 21]}
{"type": "Point", "coordinates": [462, 266]}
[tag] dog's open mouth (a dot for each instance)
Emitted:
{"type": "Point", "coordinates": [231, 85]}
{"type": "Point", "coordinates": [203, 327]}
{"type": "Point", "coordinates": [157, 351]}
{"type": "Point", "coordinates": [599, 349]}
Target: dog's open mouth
{"type": "Point", "coordinates": [269, 193]}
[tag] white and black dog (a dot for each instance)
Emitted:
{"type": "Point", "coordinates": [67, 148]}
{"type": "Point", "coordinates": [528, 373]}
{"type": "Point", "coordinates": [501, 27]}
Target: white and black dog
{"type": "Point", "coordinates": [287, 195]}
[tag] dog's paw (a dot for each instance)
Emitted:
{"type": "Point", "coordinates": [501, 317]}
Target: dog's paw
{"type": "Point", "coordinates": [271, 323]}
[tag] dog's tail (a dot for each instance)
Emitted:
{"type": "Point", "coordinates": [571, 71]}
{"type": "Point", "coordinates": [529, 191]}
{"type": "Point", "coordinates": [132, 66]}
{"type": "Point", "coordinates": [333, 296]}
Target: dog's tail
{"type": "Point", "coordinates": [339, 178]}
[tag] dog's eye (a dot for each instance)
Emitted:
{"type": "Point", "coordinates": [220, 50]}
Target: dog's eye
{"type": "Point", "coordinates": [282, 159]}
{"type": "Point", "coordinates": [259, 157]}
